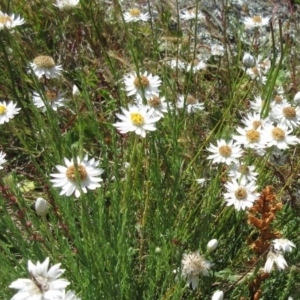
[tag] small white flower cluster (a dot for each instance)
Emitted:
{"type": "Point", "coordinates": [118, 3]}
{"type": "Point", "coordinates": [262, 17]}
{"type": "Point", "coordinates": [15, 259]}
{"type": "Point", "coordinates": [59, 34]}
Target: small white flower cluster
{"type": "Point", "coordinates": [43, 283]}
{"type": "Point", "coordinates": [275, 255]}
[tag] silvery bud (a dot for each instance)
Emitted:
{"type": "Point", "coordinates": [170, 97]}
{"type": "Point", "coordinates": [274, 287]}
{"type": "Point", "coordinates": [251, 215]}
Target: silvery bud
{"type": "Point", "coordinates": [41, 207]}
{"type": "Point", "coordinates": [75, 90]}
{"type": "Point", "coordinates": [248, 60]}
{"type": "Point", "coordinates": [212, 245]}
{"type": "Point", "coordinates": [297, 98]}
{"type": "Point", "coordinates": [218, 295]}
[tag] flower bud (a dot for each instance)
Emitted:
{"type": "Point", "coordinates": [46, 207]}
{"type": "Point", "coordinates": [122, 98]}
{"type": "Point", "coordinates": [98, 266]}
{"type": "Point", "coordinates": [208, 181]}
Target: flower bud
{"type": "Point", "coordinates": [297, 98]}
{"type": "Point", "coordinates": [41, 207]}
{"type": "Point", "coordinates": [218, 295]}
{"type": "Point", "coordinates": [248, 60]}
{"type": "Point", "coordinates": [75, 90]}
{"type": "Point", "coordinates": [212, 245]}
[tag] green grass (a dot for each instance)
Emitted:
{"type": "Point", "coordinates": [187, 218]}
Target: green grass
{"type": "Point", "coordinates": [125, 239]}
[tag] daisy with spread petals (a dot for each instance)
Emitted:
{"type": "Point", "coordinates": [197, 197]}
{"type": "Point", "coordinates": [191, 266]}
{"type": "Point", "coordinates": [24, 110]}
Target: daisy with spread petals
{"type": "Point", "coordinates": [191, 104]}
{"type": "Point", "coordinates": [44, 283]}
{"type": "Point", "coordinates": [77, 177]}
{"type": "Point", "coordinates": [250, 138]}
{"type": "Point", "coordinates": [7, 111]}
{"type": "Point", "coordinates": [135, 15]}
{"type": "Point", "coordinates": [158, 104]}
{"type": "Point", "coordinates": [136, 118]}
{"type": "Point", "coordinates": [66, 4]}
{"type": "Point", "coordinates": [256, 21]}
{"type": "Point", "coordinates": [283, 245]}
{"type": "Point", "coordinates": [54, 98]}
{"type": "Point", "coordinates": [2, 160]}
{"type": "Point", "coordinates": [279, 136]}
{"type": "Point", "coordinates": [45, 65]}
{"type": "Point", "coordinates": [176, 64]}
{"type": "Point", "coordinates": [276, 257]}
{"type": "Point", "coordinates": [191, 14]}
{"type": "Point", "coordinates": [10, 21]}
{"type": "Point", "coordinates": [253, 120]}
{"type": "Point", "coordinates": [145, 84]}
{"type": "Point", "coordinates": [286, 114]}
{"type": "Point", "coordinates": [225, 152]}
{"type": "Point", "coordinates": [193, 265]}
{"type": "Point", "coordinates": [239, 171]}
{"type": "Point", "coordinates": [241, 195]}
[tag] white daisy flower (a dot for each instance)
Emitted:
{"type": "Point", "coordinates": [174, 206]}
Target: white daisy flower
{"type": "Point", "coordinates": [136, 118]}
{"type": "Point", "coordinates": [145, 84]}
{"type": "Point", "coordinates": [190, 14]}
{"type": "Point", "coordinates": [257, 104]}
{"type": "Point", "coordinates": [250, 138]}
{"type": "Point", "coordinates": [248, 60]}
{"type": "Point", "coordinates": [254, 121]}
{"type": "Point", "coordinates": [279, 136]}
{"type": "Point", "coordinates": [11, 21]}
{"type": "Point", "coordinates": [158, 104]}
{"type": "Point", "coordinates": [45, 65]}
{"type": "Point", "coordinates": [2, 160]}
{"type": "Point", "coordinates": [135, 15]}
{"type": "Point", "coordinates": [255, 74]}
{"type": "Point", "coordinates": [176, 64]}
{"type": "Point", "coordinates": [66, 4]}
{"type": "Point", "coordinates": [218, 295]}
{"type": "Point", "coordinates": [190, 103]}
{"type": "Point", "coordinates": [256, 21]}
{"type": "Point", "coordinates": [217, 50]}
{"type": "Point", "coordinates": [284, 245]}
{"type": "Point", "coordinates": [201, 181]}
{"type": "Point", "coordinates": [193, 265]}
{"type": "Point", "coordinates": [263, 65]}
{"type": "Point", "coordinates": [241, 195]}
{"type": "Point", "coordinates": [277, 258]}
{"type": "Point", "coordinates": [54, 98]}
{"type": "Point", "coordinates": [44, 283]}
{"type": "Point", "coordinates": [7, 111]}
{"type": "Point", "coordinates": [70, 295]}
{"type": "Point", "coordinates": [239, 171]}
{"type": "Point", "coordinates": [196, 65]}
{"type": "Point", "coordinates": [279, 100]}
{"type": "Point", "coordinates": [286, 114]}
{"type": "Point", "coordinates": [68, 180]}
{"type": "Point", "coordinates": [225, 152]}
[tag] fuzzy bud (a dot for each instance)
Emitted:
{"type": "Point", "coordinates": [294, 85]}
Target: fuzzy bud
{"type": "Point", "coordinates": [297, 98]}
{"type": "Point", "coordinates": [212, 245]}
{"type": "Point", "coordinates": [248, 60]}
{"type": "Point", "coordinates": [41, 207]}
{"type": "Point", "coordinates": [218, 295]}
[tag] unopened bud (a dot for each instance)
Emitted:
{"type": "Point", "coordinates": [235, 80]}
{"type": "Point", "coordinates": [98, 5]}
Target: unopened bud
{"type": "Point", "coordinates": [41, 207]}
{"type": "Point", "coordinates": [218, 295]}
{"type": "Point", "coordinates": [212, 245]}
{"type": "Point", "coordinates": [248, 60]}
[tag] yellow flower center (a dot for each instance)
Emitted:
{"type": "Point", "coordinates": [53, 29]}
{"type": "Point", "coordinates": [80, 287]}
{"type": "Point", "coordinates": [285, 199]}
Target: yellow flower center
{"type": "Point", "coordinates": [278, 99]}
{"type": "Point", "coordinates": [5, 19]}
{"type": "Point", "coordinates": [2, 109]}
{"type": "Point", "coordinates": [256, 124]}
{"type": "Point", "coordinates": [43, 61]}
{"type": "Point", "coordinates": [255, 71]}
{"type": "Point", "coordinates": [137, 119]}
{"type": "Point", "coordinates": [143, 80]}
{"type": "Point", "coordinates": [252, 135]}
{"type": "Point", "coordinates": [154, 101]}
{"type": "Point", "coordinates": [289, 112]}
{"type": "Point", "coordinates": [278, 134]}
{"type": "Point", "coordinates": [243, 169]}
{"type": "Point", "coordinates": [70, 173]}
{"type": "Point", "coordinates": [191, 100]}
{"type": "Point", "coordinates": [51, 95]}
{"type": "Point", "coordinates": [257, 19]}
{"type": "Point", "coordinates": [240, 193]}
{"type": "Point", "coordinates": [134, 12]}
{"type": "Point", "coordinates": [225, 151]}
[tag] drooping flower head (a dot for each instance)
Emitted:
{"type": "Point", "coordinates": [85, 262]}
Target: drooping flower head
{"type": "Point", "coordinates": [191, 14]}
{"type": "Point", "coordinates": [10, 21]}
{"type": "Point", "coordinates": [78, 178]}
{"type": "Point", "coordinates": [44, 283]}
{"type": "Point", "coordinates": [45, 65]}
